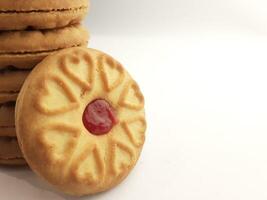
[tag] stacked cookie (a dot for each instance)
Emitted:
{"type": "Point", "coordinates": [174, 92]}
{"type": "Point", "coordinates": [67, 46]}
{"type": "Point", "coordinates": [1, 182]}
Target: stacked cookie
{"type": "Point", "coordinates": [29, 31]}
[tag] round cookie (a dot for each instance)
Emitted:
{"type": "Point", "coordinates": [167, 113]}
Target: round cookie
{"type": "Point", "coordinates": [25, 49]}
{"type": "Point", "coordinates": [10, 153]}
{"type": "Point", "coordinates": [80, 121]}
{"type": "Point", "coordinates": [41, 14]}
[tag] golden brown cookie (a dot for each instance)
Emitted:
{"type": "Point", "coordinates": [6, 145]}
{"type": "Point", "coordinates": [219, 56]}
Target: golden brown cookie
{"type": "Point", "coordinates": [24, 49]}
{"type": "Point", "coordinates": [41, 14]}
{"type": "Point", "coordinates": [8, 97]}
{"type": "Point", "coordinates": [9, 131]}
{"type": "Point", "coordinates": [80, 121]}
{"type": "Point", "coordinates": [10, 83]}
{"type": "Point", "coordinates": [7, 114]}
{"type": "Point", "coordinates": [7, 119]}
{"type": "Point", "coordinates": [10, 153]}
{"type": "Point", "coordinates": [11, 80]}
{"type": "Point", "coordinates": [13, 162]}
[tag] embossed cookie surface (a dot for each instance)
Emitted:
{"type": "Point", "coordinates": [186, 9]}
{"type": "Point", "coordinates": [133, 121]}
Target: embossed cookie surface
{"type": "Point", "coordinates": [63, 93]}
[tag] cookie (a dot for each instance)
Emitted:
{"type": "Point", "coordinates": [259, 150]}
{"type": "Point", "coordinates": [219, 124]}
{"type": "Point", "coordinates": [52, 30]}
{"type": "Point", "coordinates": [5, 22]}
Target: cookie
{"type": "Point", "coordinates": [25, 49]}
{"type": "Point", "coordinates": [13, 162]}
{"type": "Point", "coordinates": [7, 114]}
{"type": "Point", "coordinates": [11, 80]}
{"type": "Point", "coordinates": [80, 121]}
{"type": "Point", "coordinates": [8, 131]}
{"type": "Point", "coordinates": [10, 153]}
{"type": "Point", "coordinates": [10, 83]}
{"type": "Point", "coordinates": [41, 14]}
{"type": "Point", "coordinates": [8, 97]}
{"type": "Point", "coordinates": [7, 119]}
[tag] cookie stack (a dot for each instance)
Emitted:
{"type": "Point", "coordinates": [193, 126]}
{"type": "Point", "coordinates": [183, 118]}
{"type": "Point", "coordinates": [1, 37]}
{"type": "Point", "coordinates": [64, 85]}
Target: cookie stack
{"type": "Point", "coordinates": [29, 31]}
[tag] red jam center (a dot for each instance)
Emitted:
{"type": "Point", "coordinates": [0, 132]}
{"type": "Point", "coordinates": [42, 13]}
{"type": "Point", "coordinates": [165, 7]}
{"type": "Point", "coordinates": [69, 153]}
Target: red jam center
{"type": "Point", "coordinates": [99, 117]}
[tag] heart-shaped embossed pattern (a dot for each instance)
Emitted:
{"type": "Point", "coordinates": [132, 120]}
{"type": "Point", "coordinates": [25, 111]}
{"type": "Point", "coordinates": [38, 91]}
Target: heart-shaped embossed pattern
{"type": "Point", "coordinates": [60, 140]}
{"type": "Point", "coordinates": [62, 99]}
{"type": "Point", "coordinates": [92, 117]}
{"type": "Point", "coordinates": [112, 72]}
{"type": "Point", "coordinates": [93, 174]}
{"type": "Point", "coordinates": [79, 67]}
{"type": "Point", "coordinates": [131, 97]}
{"type": "Point", "coordinates": [122, 157]}
{"type": "Point", "coordinates": [135, 130]}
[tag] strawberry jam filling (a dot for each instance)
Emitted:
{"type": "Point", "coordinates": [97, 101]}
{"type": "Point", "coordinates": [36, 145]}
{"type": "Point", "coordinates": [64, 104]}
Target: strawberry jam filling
{"type": "Point", "coordinates": [99, 117]}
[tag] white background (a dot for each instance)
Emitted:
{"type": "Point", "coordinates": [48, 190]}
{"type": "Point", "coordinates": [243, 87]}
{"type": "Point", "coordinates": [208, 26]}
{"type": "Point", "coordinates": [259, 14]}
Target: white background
{"type": "Point", "coordinates": [202, 66]}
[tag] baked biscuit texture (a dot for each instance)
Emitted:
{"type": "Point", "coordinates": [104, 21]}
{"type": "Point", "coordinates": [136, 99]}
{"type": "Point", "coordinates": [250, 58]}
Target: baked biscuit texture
{"type": "Point", "coordinates": [41, 5]}
{"type": "Point", "coordinates": [45, 40]}
{"type": "Point", "coordinates": [12, 80]}
{"type": "Point", "coordinates": [25, 60]}
{"type": "Point", "coordinates": [13, 162]}
{"type": "Point", "coordinates": [10, 153]}
{"type": "Point", "coordinates": [8, 97]}
{"type": "Point", "coordinates": [53, 139]}
{"type": "Point", "coordinates": [40, 14]}
{"type": "Point", "coordinates": [8, 131]}
{"type": "Point", "coordinates": [7, 119]}
{"type": "Point", "coordinates": [7, 114]}
{"type": "Point", "coordinates": [25, 49]}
